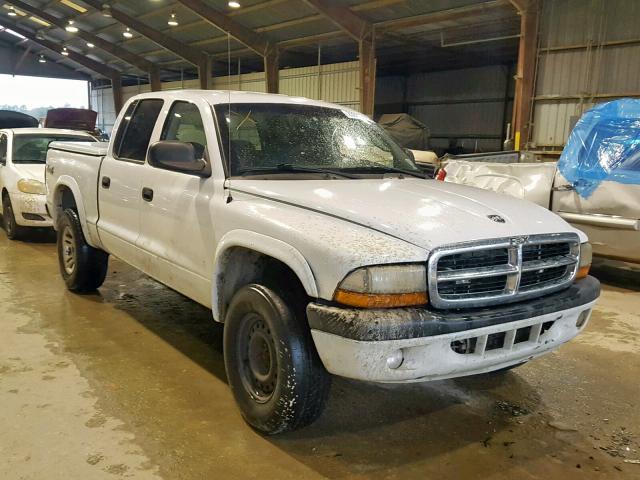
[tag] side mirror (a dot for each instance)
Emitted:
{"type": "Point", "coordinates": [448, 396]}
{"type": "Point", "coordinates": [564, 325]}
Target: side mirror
{"type": "Point", "coordinates": [176, 156]}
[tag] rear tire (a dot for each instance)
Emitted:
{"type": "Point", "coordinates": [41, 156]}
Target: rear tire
{"type": "Point", "coordinates": [11, 227]}
{"type": "Point", "coordinates": [274, 371]}
{"type": "Point", "coordinates": [83, 268]}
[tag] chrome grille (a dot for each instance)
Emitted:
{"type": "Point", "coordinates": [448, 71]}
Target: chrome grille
{"type": "Point", "coordinates": [501, 270]}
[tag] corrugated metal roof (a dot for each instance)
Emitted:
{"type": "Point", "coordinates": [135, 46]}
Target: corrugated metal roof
{"type": "Point", "coordinates": [278, 21]}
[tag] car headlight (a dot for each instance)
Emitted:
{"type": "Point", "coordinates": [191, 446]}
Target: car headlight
{"type": "Point", "coordinates": [586, 254]}
{"type": "Point", "coordinates": [384, 286]}
{"type": "Point", "coordinates": [28, 185]}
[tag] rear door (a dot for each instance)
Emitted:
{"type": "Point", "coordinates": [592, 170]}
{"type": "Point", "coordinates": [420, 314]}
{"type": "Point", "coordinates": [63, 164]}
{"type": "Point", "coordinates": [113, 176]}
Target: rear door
{"type": "Point", "coordinates": [119, 184]}
{"type": "Point", "coordinates": [177, 221]}
{"type": "Point", "coordinates": [610, 216]}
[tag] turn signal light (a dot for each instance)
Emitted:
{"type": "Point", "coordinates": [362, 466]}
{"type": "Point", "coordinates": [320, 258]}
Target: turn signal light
{"type": "Point", "coordinates": [368, 300]}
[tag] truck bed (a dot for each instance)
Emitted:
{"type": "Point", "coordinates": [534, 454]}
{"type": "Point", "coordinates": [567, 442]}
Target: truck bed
{"type": "Point", "coordinates": [94, 149]}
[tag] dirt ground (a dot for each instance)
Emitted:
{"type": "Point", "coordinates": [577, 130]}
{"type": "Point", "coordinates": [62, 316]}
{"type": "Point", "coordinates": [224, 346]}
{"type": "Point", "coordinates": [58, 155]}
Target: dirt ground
{"type": "Point", "coordinates": [129, 382]}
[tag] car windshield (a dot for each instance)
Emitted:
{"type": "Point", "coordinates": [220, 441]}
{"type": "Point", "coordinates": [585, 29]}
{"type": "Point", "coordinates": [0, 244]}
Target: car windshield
{"type": "Point", "coordinates": [288, 139]}
{"type": "Point", "coordinates": [33, 148]}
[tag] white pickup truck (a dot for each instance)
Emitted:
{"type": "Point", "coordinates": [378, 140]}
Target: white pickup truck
{"type": "Point", "coordinates": [318, 243]}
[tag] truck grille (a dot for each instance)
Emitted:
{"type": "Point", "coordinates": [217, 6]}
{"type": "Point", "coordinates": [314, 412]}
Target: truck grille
{"type": "Point", "coordinates": [502, 270]}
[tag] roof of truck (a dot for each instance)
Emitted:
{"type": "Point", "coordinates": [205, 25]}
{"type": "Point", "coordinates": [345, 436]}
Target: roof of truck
{"type": "Point", "coordinates": [215, 97]}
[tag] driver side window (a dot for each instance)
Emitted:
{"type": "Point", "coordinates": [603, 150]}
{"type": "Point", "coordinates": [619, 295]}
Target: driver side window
{"type": "Point", "coordinates": [3, 149]}
{"type": "Point", "coordinates": [184, 124]}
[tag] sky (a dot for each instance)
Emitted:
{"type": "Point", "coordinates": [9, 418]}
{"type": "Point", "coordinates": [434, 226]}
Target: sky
{"type": "Point", "coordinates": [42, 92]}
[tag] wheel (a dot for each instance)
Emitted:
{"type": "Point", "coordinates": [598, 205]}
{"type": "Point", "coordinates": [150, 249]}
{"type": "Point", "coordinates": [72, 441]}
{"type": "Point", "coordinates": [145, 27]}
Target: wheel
{"type": "Point", "coordinates": [11, 228]}
{"type": "Point", "coordinates": [274, 371]}
{"type": "Point", "coordinates": [82, 267]}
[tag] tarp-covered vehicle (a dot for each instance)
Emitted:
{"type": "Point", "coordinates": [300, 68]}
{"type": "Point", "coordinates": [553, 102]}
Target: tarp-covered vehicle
{"type": "Point", "coordinates": [595, 185]}
{"type": "Point", "coordinates": [413, 135]}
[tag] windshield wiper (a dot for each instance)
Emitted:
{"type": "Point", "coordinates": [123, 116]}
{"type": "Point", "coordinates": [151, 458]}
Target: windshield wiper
{"type": "Point", "coordinates": [379, 166]}
{"type": "Point", "coordinates": [288, 167]}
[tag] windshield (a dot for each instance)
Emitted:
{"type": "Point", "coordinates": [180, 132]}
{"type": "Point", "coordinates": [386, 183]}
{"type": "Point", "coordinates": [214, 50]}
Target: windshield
{"type": "Point", "coordinates": [33, 148]}
{"type": "Point", "coordinates": [283, 139]}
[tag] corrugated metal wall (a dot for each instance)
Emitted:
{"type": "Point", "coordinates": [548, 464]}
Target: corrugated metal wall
{"type": "Point", "coordinates": [589, 53]}
{"type": "Point", "coordinates": [465, 109]}
{"type": "Point", "coordinates": [337, 83]}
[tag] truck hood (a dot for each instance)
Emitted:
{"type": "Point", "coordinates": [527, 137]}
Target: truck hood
{"type": "Point", "coordinates": [426, 213]}
{"type": "Point", "coordinates": [33, 171]}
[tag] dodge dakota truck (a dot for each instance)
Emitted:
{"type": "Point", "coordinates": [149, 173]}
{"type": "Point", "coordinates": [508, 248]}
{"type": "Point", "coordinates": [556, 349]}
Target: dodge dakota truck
{"type": "Point", "coordinates": [318, 243]}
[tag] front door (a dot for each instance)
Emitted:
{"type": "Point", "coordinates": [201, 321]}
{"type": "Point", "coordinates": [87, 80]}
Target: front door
{"type": "Point", "coordinates": [177, 220]}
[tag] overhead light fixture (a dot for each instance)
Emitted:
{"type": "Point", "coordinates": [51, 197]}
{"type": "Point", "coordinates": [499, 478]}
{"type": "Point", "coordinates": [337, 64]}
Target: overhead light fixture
{"type": "Point", "coordinates": [173, 20]}
{"type": "Point", "coordinates": [127, 33]}
{"type": "Point", "coordinates": [39, 21]}
{"type": "Point", "coordinates": [74, 5]}
{"type": "Point", "coordinates": [234, 4]}
{"type": "Point", "coordinates": [90, 45]}
{"type": "Point", "coordinates": [65, 52]}
{"type": "Point", "coordinates": [12, 11]}
{"type": "Point", "coordinates": [41, 59]}
{"type": "Point", "coordinates": [71, 27]}
{"type": "Point", "coordinates": [106, 10]}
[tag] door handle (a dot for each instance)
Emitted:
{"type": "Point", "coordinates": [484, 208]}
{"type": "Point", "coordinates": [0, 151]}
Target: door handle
{"type": "Point", "coordinates": [147, 194]}
{"type": "Point", "coordinates": [106, 182]}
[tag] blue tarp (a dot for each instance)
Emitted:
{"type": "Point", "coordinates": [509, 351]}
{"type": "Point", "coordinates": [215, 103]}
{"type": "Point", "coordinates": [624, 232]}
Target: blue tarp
{"type": "Point", "coordinates": [604, 145]}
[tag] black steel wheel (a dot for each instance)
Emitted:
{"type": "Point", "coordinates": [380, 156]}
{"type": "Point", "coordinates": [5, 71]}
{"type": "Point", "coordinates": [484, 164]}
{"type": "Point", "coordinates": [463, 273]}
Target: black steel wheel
{"type": "Point", "coordinates": [274, 371]}
{"type": "Point", "coordinates": [83, 268]}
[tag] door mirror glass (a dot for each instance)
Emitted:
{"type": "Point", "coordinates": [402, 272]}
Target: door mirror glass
{"type": "Point", "coordinates": [177, 156]}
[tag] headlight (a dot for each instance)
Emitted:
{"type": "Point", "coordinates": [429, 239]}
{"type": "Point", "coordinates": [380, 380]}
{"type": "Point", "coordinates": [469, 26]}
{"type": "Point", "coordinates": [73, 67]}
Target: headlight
{"type": "Point", "coordinates": [384, 286]}
{"type": "Point", "coordinates": [586, 254]}
{"type": "Point", "coordinates": [27, 185]}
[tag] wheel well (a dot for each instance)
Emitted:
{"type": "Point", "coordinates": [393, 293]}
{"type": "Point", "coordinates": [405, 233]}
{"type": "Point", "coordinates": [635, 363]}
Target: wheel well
{"type": "Point", "coordinates": [241, 266]}
{"type": "Point", "coordinates": [66, 199]}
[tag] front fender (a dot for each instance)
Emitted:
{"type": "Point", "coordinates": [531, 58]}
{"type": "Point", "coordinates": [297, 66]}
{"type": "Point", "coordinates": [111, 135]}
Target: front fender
{"type": "Point", "coordinates": [263, 244]}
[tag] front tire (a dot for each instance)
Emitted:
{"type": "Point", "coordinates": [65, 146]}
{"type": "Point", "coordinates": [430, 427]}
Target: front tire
{"type": "Point", "coordinates": [274, 371]}
{"type": "Point", "coordinates": [83, 268]}
{"type": "Point", "coordinates": [11, 227]}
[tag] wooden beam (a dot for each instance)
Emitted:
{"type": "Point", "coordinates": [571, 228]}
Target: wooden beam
{"type": "Point", "coordinates": [519, 5]}
{"type": "Point", "coordinates": [367, 54]}
{"type": "Point", "coordinates": [363, 32]}
{"type": "Point", "coordinates": [114, 50]}
{"type": "Point", "coordinates": [525, 74]}
{"type": "Point", "coordinates": [190, 54]}
{"type": "Point", "coordinates": [352, 24]}
{"type": "Point", "coordinates": [256, 42]}
{"type": "Point", "coordinates": [272, 71]}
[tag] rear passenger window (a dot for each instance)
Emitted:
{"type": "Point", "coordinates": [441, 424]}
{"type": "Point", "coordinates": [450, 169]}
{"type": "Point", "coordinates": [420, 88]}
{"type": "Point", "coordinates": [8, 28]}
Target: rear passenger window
{"type": "Point", "coordinates": [3, 149]}
{"type": "Point", "coordinates": [184, 124]}
{"type": "Point", "coordinates": [134, 133]}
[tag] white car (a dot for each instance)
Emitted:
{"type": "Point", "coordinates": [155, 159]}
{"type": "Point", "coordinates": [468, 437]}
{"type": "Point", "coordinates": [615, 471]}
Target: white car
{"type": "Point", "coordinates": [318, 243]}
{"type": "Point", "coordinates": [22, 162]}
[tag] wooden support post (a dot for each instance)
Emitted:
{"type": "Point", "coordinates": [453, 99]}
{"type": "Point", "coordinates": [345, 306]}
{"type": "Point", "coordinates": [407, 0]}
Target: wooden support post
{"type": "Point", "coordinates": [525, 73]}
{"type": "Point", "coordinates": [154, 79]}
{"type": "Point", "coordinates": [272, 71]}
{"type": "Point", "coordinates": [116, 88]}
{"type": "Point", "coordinates": [204, 72]}
{"type": "Point", "coordinates": [367, 55]}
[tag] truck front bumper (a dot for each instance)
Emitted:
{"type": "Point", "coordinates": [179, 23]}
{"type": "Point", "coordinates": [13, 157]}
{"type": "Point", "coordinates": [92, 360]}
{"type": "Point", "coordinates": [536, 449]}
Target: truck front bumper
{"type": "Point", "coordinates": [411, 344]}
{"type": "Point", "coordinates": [30, 210]}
